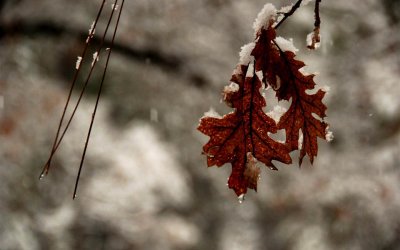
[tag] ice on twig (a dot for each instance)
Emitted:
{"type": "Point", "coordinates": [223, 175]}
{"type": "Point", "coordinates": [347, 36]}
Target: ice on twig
{"type": "Point", "coordinates": [92, 31]}
{"type": "Point", "coordinates": [95, 58]}
{"type": "Point", "coordinates": [114, 7]}
{"type": "Point", "coordinates": [78, 62]}
{"type": "Point", "coordinates": [314, 39]}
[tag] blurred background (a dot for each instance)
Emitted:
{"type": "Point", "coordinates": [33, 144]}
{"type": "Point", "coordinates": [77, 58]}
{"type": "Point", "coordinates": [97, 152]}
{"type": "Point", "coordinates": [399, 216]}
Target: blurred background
{"type": "Point", "coordinates": [145, 184]}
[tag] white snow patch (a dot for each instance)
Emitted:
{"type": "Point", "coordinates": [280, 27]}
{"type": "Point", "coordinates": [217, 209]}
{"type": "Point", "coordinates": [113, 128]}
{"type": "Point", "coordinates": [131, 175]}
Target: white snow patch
{"type": "Point", "coordinates": [300, 142]}
{"type": "Point", "coordinates": [264, 17]}
{"type": "Point", "coordinates": [250, 70]}
{"type": "Point", "coordinates": [326, 88]}
{"type": "Point", "coordinates": [286, 45]}
{"type": "Point", "coordinates": [259, 74]}
{"type": "Point", "coordinates": [328, 134]}
{"type": "Point", "coordinates": [95, 58]}
{"type": "Point", "coordinates": [233, 87]}
{"type": "Point", "coordinates": [286, 9]}
{"type": "Point", "coordinates": [78, 62]}
{"type": "Point", "coordinates": [237, 71]}
{"type": "Point", "coordinates": [114, 7]}
{"type": "Point", "coordinates": [241, 198]}
{"type": "Point", "coordinates": [245, 53]}
{"type": "Point", "coordinates": [306, 73]}
{"type": "Point", "coordinates": [212, 113]}
{"type": "Point", "coordinates": [92, 31]}
{"type": "Point", "coordinates": [309, 40]}
{"type": "Point", "coordinates": [277, 113]}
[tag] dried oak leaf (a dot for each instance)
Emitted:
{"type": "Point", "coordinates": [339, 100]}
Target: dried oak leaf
{"type": "Point", "coordinates": [282, 72]}
{"type": "Point", "coordinates": [242, 137]}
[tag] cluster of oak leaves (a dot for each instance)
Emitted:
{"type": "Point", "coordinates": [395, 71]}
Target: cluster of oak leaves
{"type": "Point", "coordinates": [242, 137]}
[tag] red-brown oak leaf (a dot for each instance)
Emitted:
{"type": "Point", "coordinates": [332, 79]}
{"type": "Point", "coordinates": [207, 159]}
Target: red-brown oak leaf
{"type": "Point", "coordinates": [242, 136]}
{"type": "Point", "coordinates": [282, 72]}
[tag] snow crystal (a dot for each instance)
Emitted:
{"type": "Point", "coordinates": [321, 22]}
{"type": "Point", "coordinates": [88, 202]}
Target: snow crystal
{"type": "Point", "coordinates": [92, 30]}
{"type": "Point", "coordinates": [309, 40]}
{"type": "Point", "coordinates": [212, 113]}
{"type": "Point", "coordinates": [286, 9]}
{"type": "Point", "coordinates": [233, 87]}
{"type": "Point", "coordinates": [250, 70]}
{"type": "Point", "coordinates": [286, 45]}
{"type": "Point", "coordinates": [95, 58]}
{"type": "Point", "coordinates": [326, 89]}
{"type": "Point", "coordinates": [78, 62]}
{"type": "Point", "coordinates": [114, 7]}
{"type": "Point", "coordinates": [241, 198]}
{"type": "Point", "coordinates": [277, 113]}
{"type": "Point", "coordinates": [245, 53]}
{"type": "Point", "coordinates": [306, 73]}
{"type": "Point", "coordinates": [300, 142]}
{"type": "Point", "coordinates": [259, 74]}
{"type": "Point", "coordinates": [237, 71]}
{"type": "Point", "coordinates": [328, 134]}
{"type": "Point", "coordinates": [264, 17]}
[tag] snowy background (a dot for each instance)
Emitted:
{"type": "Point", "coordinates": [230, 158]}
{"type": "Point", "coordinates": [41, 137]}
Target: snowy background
{"type": "Point", "coordinates": [145, 184]}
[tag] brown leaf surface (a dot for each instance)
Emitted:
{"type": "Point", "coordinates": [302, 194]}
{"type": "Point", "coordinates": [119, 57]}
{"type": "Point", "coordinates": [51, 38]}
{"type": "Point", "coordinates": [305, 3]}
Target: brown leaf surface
{"type": "Point", "coordinates": [243, 134]}
{"type": "Point", "coordinates": [243, 137]}
{"type": "Point", "coordinates": [282, 72]}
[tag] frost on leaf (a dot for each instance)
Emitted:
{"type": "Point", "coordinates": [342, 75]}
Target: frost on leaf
{"type": "Point", "coordinates": [241, 137]}
{"type": "Point", "coordinates": [281, 69]}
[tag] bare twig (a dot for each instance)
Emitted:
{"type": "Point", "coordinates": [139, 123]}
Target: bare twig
{"type": "Point", "coordinates": [315, 37]}
{"type": "Point", "coordinates": [55, 146]}
{"type": "Point", "coordinates": [98, 95]}
{"type": "Point", "coordinates": [288, 14]}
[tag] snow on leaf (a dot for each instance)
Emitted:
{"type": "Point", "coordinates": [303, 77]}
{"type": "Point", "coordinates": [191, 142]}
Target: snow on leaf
{"type": "Point", "coordinates": [286, 45]}
{"type": "Point", "coordinates": [266, 15]}
{"type": "Point", "coordinates": [241, 137]}
{"type": "Point", "coordinates": [245, 52]}
{"type": "Point", "coordinates": [212, 113]}
{"type": "Point", "coordinates": [283, 73]}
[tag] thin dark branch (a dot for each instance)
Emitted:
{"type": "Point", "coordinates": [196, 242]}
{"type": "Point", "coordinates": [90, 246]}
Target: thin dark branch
{"type": "Point", "coordinates": [315, 39]}
{"type": "Point", "coordinates": [317, 22]}
{"type": "Point", "coordinates": [288, 14]}
{"type": "Point", "coordinates": [54, 148]}
{"type": "Point", "coordinates": [98, 95]}
{"type": "Point", "coordinates": [85, 85]}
